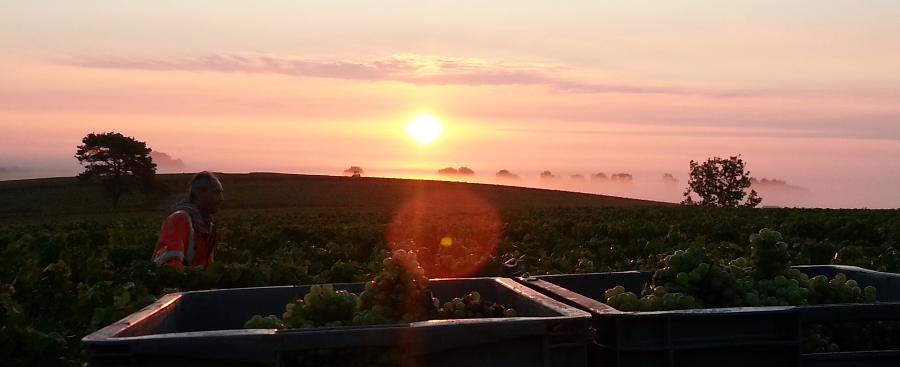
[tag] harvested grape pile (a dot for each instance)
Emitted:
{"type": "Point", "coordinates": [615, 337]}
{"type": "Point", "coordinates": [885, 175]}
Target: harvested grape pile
{"type": "Point", "coordinates": [692, 279]}
{"type": "Point", "coordinates": [398, 295]}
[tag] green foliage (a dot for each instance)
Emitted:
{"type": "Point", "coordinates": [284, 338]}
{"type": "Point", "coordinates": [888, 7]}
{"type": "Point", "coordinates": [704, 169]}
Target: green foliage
{"type": "Point", "coordinates": [720, 182]}
{"type": "Point", "coordinates": [74, 275]}
{"type": "Point", "coordinates": [118, 163]}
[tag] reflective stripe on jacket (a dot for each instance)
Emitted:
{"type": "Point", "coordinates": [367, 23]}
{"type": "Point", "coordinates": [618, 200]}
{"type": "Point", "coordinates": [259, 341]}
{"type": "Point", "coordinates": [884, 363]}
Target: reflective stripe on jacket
{"type": "Point", "coordinates": [184, 242]}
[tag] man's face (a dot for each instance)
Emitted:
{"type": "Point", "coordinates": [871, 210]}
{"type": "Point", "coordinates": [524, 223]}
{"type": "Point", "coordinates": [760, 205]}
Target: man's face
{"type": "Point", "coordinates": [208, 202]}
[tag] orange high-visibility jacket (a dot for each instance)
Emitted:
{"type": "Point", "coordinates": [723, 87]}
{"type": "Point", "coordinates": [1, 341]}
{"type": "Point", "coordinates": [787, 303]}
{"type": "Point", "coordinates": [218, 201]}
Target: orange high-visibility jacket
{"type": "Point", "coordinates": [185, 240]}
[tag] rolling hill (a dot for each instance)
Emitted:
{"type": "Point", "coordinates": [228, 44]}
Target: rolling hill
{"type": "Point", "coordinates": [65, 195]}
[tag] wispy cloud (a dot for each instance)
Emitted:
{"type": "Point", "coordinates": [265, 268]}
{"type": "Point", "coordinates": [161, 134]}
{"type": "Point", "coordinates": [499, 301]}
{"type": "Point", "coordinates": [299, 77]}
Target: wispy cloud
{"type": "Point", "coordinates": [411, 69]}
{"type": "Point", "coordinates": [716, 133]}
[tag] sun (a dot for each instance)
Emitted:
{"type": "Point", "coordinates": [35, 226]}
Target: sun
{"type": "Point", "coordinates": [424, 129]}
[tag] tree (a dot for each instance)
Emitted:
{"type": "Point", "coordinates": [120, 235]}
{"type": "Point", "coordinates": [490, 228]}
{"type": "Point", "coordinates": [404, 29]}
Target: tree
{"type": "Point", "coordinates": [669, 179]}
{"type": "Point", "coordinates": [621, 177]}
{"type": "Point", "coordinates": [118, 163]}
{"type": "Point", "coordinates": [547, 176]}
{"type": "Point", "coordinates": [448, 171]}
{"type": "Point", "coordinates": [720, 183]}
{"type": "Point", "coordinates": [600, 176]}
{"type": "Point", "coordinates": [507, 175]}
{"type": "Point", "coordinates": [353, 171]}
{"type": "Point", "coordinates": [466, 171]}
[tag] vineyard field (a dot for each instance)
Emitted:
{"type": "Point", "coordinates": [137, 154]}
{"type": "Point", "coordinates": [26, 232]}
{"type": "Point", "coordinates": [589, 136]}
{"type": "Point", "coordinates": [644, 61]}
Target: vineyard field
{"type": "Point", "coordinates": [63, 196]}
{"type": "Point", "coordinates": [67, 270]}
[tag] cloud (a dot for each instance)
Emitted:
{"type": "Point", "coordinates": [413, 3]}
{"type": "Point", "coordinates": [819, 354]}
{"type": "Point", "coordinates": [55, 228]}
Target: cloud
{"type": "Point", "coordinates": [164, 160]}
{"type": "Point", "coordinates": [713, 133]}
{"type": "Point", "coordinates": [417, 70]}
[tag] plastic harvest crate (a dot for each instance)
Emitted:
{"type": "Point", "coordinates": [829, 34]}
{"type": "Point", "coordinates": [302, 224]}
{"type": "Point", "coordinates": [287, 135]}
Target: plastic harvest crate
{"type": "Point", "coordinates": [206, 328]}
{"type": "Point", "coordinates": [741, 336]}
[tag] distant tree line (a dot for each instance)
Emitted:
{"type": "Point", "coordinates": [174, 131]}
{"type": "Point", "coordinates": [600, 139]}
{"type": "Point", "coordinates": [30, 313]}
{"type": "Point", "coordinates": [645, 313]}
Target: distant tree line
{"type": "Point", "coordinates": [462, 171]}
{"type": "Point", "coordinates": [507, 175]}
{"type": "Point", "coordinates": [669, 179]}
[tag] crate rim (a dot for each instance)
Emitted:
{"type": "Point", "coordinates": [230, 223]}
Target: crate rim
{"type": "Point", "coordinates": [112, 332]}
{"type": "Point", "coordinates": [809, 313]}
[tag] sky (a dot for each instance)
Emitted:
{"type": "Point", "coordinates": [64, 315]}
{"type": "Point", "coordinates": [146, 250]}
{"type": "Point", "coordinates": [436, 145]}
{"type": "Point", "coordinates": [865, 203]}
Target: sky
{"type": "Point", "coordinates": [806, 92]}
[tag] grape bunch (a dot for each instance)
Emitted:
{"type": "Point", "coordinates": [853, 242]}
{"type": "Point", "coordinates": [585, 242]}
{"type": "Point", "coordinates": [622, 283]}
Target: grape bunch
{"type": "Point", "coordinates": [685, 267]}
{"type": "Point", "coordinates": [660, 300]}
{"type": "Point", "coordinates": [375, 316]}
{"type": "Point", "coordinates": [692, 279]}
{"type": "Point", "coordinates": [399, 291]}
{"type": "Point", "coordinates": [322, 306]}
{"type": "Point", "coordinates": [839, 290]}
{"type": "Point", "coordinates": [268, 322]}
{"type": "Point", "coordinates": [694, 273]}
{"type": "Point", "coordinates": [770, 257]}
{"type": "Point", "coordinates": [851, 336]}
{"type": "Point", "coordinates": [379, 315]}
{"type": "Point", "coordinates": [814, 342]}
{"type": "Point", "coordinates": [397, 295]}
{"type": "Point", "coordinates": [780, 291]}
{"type": "Point", "coordinates": [472, 306]}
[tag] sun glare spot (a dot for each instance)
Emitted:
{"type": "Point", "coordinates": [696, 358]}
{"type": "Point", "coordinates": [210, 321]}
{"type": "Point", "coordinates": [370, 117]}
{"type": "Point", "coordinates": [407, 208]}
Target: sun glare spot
{"type": "Point", "coordinates": [452, 231]}
{"type": "Point", "coordinates": [424, 129]}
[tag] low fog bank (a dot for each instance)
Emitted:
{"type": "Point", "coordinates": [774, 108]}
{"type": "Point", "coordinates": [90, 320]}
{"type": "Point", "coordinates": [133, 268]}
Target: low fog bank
{"type": "Point", "coordinates": [830, 193]}
{"type": "Point", "coordinates": [26, 173]}
{"type": "Point", "coordinates": [813, 192]}
{"type": "Point", "coordinates": [25, 169]}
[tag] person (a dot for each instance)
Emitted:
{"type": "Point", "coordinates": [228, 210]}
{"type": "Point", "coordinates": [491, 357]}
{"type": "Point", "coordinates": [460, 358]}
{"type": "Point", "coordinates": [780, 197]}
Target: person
{"type": "Point", "coordinates": [188, 235]}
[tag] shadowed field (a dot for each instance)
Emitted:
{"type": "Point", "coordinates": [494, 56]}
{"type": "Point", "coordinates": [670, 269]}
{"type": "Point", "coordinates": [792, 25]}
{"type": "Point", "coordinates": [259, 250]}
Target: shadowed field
{"type": "Point", "coordinates": [62, 196]}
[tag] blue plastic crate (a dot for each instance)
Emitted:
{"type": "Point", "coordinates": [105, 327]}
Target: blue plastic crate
{"type": "Point", "coordinates": [742, 336]}
{"type": "Point", "coordinates": [205, 328]}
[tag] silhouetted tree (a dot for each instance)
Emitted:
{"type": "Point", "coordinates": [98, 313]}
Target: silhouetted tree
{"type": "Point", "coordinates": [547, 176]}
{"type": "Point", "coordinates": [577, 177]}
{"type": "Point", "coordinates": [118, 163]}
{"type": "Point", "coordinates": [466, 171]}
{"type": "Point", "coordinates": [622, 177]}
{"type": "Point", "coordinates": [669, 179]}
{"type": "Point", "coordinates": [448, 171]}
{"type": "Point", "coordinates": [774, 184]}
{"type": "Point", "coordinates": [507, 175]}
{"type": "Point", "coordinates": [720, 183]}
{"type": "Point", "coordinates": [354, 171]}
{"type": "Point", "coordinates": [164, 160]}
{"type": "Point", "coordinates": [600, 176]}
{"type": "Point", "coordinates": [768, 182]}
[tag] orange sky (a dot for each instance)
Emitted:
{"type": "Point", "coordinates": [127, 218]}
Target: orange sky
{"type": "Point", "coordinates": [811, 97]}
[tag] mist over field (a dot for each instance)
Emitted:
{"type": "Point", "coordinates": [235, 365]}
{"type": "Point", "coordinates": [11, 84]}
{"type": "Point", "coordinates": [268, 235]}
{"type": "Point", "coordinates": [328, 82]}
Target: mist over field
{"type": "Point", "coordinates": [823, 192]}
{"type": "Point", "coordinates": [834, 194]}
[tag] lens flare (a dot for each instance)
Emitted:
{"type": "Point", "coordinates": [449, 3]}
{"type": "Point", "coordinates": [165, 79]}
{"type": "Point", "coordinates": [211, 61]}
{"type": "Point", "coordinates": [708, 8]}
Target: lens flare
{"type": "Point", "coordinates": [452, 231]}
